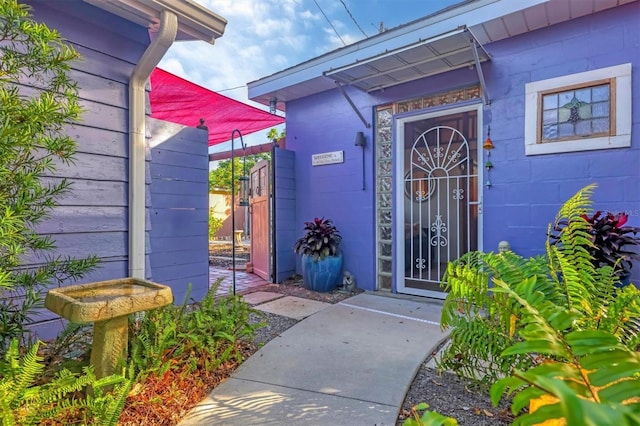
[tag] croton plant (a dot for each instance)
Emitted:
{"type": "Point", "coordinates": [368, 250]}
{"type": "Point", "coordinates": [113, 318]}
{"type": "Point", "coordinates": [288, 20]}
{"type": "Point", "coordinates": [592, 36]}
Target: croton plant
{"type": "Point", "coordinates": [321, 239]}
{"type": "Point", "coordinates": [615, 244]}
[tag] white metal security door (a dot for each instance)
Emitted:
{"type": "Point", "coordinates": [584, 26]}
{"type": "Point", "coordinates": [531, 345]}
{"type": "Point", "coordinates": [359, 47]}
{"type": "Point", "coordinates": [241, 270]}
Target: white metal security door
{"type": "Point", "coordinates": [437, 205]}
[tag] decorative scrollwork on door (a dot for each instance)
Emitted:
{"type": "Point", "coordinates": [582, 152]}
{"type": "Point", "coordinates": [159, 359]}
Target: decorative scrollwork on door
{"type": "Point", "coordinates": [438, 229]}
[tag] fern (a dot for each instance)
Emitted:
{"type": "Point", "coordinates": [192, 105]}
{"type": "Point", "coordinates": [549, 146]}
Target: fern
{"type": "Point", "coordinates": [16, 378]}
{"type": "Point", "coordinates": [24, 403]}
{"type": "Point", "coordinates": [590, 377]}
{"type": "Point", "coordinates": [107, 406]}
{"type": "Point", "coordinates": [422, 416]}
{"type": "Point", "coordinates": [203, 334]}
{"type": "Point", "coordinates": [485, 322]}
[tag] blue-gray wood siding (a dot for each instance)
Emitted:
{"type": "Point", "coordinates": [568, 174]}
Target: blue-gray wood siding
{"type": "Point", "coordinates": [179, 208]}
{"type": "Point", "coordinates": [92, 217]}
{"type": "Point", "coordinates": [285, 213]}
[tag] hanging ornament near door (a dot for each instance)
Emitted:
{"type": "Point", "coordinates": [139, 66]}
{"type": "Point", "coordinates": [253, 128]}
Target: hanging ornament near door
{"type": "Point", "coordinates": [488, 146]}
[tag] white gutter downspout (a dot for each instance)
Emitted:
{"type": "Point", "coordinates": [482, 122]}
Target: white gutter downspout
{"type": "Point", "coordinates": [137, 115]}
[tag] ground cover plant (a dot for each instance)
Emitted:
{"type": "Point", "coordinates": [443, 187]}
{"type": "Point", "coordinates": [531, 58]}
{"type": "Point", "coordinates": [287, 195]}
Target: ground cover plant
{"type": "Point", "coordinates": [555, 331]}
{"type": "Point", "coordinates": [177, 354]}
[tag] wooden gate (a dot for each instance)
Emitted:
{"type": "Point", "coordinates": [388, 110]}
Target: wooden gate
{"type": "Point", "coordinates": [260, 220]}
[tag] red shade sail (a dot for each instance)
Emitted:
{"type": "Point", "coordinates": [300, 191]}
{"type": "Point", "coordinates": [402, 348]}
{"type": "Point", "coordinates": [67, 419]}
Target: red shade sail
{"type": "Point", "coordinates": [180, 101]}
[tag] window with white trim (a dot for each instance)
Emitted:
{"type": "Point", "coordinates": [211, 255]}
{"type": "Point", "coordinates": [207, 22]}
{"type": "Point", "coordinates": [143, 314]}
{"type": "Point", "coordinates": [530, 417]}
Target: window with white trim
{"type": "Point", "coordinates": [579, 112]}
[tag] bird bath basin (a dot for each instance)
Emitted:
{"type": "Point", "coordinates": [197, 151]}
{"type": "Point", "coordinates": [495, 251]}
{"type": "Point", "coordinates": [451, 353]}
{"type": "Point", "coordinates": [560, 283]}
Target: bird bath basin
{"type": "Point", "coordinates": [107, 304]}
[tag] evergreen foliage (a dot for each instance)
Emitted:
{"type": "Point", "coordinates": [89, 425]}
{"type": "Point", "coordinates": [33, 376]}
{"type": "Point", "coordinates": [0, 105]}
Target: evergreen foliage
{"type": "Point", "coordinates": [173, 336]}
{"type": "Point", "coordinates": [24, 403]}
{"type": "Point", "coordinates": [588, 377]}
{"type": "Point", "coordinates": [422, 416]}
{"type": "Point", "coordinates": [485, 321]}
{"type": "Point", "coordinates": [220, 177]}
{"type": "Point", "coordinates": [37, 101]}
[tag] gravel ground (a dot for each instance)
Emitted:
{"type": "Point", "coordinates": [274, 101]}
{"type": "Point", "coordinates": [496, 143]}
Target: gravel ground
{"type": "Point", "coordinates": [444, 392]}
{"type": "Point", "coordinates": [455, 397]}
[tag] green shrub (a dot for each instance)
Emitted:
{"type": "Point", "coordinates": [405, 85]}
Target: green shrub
{"type": "Point", "coordinates": [485, 322]}
{"type": "Point", "coordinates": [215, 223]}
{"type": "Point", "coordinates": [591, 377]}
{"type": "Point", "coordinates": [24, 403]}
{"type": "Point", "coordinates": [552, 330]}
{"type": "Point", "coordinates": [32, 144]}
{"type": "Point", "coordinates": [203, 334]}
{"type": "Point", "coordinates": [421, 416]}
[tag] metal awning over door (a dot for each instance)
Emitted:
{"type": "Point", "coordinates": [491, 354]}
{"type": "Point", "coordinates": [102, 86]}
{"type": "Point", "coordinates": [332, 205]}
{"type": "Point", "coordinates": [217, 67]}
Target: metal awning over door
{"type": "Point", "coordinates": [452, 50]}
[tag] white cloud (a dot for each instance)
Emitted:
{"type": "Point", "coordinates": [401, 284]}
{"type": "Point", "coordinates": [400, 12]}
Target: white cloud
{"type": "Point", "coordinates": [266, 36]}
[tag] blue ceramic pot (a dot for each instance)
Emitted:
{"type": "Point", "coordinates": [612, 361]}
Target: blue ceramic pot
{"type": "Point", "coordinates": [321, 275]}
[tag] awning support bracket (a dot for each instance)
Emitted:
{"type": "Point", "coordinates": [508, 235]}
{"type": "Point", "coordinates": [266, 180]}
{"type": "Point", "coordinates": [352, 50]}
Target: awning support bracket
{"type": "Point", "coordinates": [346, 96]}
{"type": "Point", "coordinates": [476, 58]}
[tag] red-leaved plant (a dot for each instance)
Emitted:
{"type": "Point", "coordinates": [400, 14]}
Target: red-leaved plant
{"type": "Point", "coordinates": [321, 240]}
{"type": "Point", "coordinates": [613, 241]}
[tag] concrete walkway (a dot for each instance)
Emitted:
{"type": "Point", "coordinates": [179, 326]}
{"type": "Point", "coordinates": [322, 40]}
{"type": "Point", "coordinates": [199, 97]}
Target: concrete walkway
{"type": "Point", "coordinates": [346, 364]}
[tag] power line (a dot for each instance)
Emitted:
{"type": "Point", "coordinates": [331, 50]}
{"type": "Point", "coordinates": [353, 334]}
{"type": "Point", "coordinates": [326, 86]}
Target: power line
{"type": "Point", "coordinates": [231, 88]}
{"type": "Point", "coordinates": [353, 19]}
{"type": "Point", "coordinates": [325, 17]}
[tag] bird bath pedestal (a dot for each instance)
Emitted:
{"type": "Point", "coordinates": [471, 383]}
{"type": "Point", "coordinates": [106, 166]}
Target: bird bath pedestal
{"type": "Point", "coordinates": [107, 304]}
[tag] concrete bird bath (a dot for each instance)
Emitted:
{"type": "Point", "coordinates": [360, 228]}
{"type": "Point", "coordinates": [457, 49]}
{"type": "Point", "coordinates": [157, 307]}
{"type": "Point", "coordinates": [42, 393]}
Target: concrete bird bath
{"type": "Point", "coordinates": [107, 304]}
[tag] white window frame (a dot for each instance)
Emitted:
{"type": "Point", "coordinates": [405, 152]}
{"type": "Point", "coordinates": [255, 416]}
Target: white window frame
{"type": "Point", "coordinates": [621, 135]}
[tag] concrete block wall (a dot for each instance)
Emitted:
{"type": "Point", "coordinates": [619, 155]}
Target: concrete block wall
{"type": "Point", "coordinates": [528, 190]}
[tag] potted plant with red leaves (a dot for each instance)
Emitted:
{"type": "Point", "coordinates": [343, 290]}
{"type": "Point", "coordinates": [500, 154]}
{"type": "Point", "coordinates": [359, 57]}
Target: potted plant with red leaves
{"type": "Point", "coordinates": [321, 256]}
{"type": "Point", "coordinates": [613, 242]}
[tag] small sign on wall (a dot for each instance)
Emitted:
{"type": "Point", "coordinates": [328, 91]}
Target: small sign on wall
{"type": "Point", "coordinates": [327, 158]}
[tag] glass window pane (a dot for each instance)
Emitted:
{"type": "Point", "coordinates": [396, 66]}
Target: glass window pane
{"type": "Point", "coordinates": [564, 114]}
{"type": "Point", "coordinates": [566, 129]}
{"type": "Point", "coordinates": [385, 266]}
{"type": "Point", "coordinates": [384, 184]}
{"type": "Point", "coordinates": [600, 109]}
{"type": "Point", "coordinates": [550, 132]}
{"type": "Point", "coordinates": [574, 112]}
{"type": "Point", "coordinates": [384, 217]}
{"type": "Point", "coordinates": [385, 232]}
{"type": "Point", "coordinates": [565, 98]}
{"type": "Point", "coordinates": [584, 111]}
{"type": "Point", "coordinates": [550, 117]}
{"type": "Point", "coordinates": [550, 101]}
{"type": "Point", "coordinates": [385, 151]}
{"type": "Point", "coordinates": [601, 125]}
{"type": "Point", "coordinates": [384, 167]}
{"type": "Point", "coordinates": [583, 128]}
{"type": "Point", "coordinates": [384, 134]}
{"type": "Point", "coordinates": [384, 118]}
{"type": "Point", "coordinates": [600, 93]}
{"type": "Point", "coordinates": [584, 95]}
{"type": "Point", "coordinates": [385, 281]}
{"type": "Point", "coordinates": [385, 200]}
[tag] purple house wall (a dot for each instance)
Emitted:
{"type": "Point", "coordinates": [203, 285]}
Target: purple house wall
{"type": "Point", "coordinates": [529, 189]}
{"type": "Point", "coordinates": [526, 190]}
{"type": "Point", "coordinates": [92, 217]}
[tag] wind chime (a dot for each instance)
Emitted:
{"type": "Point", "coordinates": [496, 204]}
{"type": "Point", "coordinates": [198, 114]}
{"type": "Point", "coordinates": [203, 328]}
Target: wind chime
{"type": "Point", "coordinates": [488, 146]}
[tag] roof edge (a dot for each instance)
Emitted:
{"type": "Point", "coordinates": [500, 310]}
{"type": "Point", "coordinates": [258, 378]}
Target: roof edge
{"type": "Point", "coordinates": [194, 21]}
{"type": "Point", "coordinates": [467, 13]}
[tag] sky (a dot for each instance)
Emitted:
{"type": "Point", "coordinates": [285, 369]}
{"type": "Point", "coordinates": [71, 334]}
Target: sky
{"type": "Point", "coordinates": [263, 37]}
